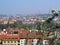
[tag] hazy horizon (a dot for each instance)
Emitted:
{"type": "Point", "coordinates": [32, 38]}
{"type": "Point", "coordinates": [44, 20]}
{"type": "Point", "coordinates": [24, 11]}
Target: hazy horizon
{"type": "Point", "coordinates": [28, 6]}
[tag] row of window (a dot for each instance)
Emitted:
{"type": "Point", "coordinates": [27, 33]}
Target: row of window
{"type": "Point", "coordinates": [8, 44]}
{"type": "Point", "coordinates": [10, 41]}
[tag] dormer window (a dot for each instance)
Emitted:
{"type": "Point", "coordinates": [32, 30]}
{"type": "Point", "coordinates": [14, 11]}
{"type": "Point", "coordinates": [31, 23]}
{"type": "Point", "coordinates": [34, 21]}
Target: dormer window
{"type": "Point", "coordinates": [15, 32]}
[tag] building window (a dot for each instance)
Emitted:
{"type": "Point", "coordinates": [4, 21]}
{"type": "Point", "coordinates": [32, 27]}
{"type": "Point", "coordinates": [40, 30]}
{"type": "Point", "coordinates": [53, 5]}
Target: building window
{"type": "Point", "coordinates": [11, 41]}
{"type": "Point", "coordinates": [8, 41]}
{"type": "Point", "coordinates": [4, 41]}
{"type": "Point", "coordinates": [15, 32]}
{"type": "Point", "coordinates": [15, 41]}
{"type": "Point", "coordinates": [18, 44]}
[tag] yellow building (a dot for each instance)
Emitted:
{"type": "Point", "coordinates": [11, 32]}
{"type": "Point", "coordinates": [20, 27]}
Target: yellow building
{"type": "Point", "coordinates": [10, 42]}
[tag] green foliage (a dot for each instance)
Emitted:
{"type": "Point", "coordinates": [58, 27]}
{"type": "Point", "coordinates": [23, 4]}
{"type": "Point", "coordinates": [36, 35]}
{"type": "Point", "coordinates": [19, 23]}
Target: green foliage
{"type": "Point", "coordinates": [38, 25]}
{"type": "Point", "coordinates": [53, 11]}
{"type": "Point", "coordinates": [48, 24]}
{"type": "Point", "coordinates": [3, 26]}
{"type": "Point", "coordinates": [49, 21]}
{"type": "Point", "coordinates": [19, 26]}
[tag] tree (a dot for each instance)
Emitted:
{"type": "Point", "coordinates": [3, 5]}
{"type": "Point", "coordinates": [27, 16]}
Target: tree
{"type": "Point", "coordinates": [49, 22]}
{"type": "Point", "coordinates": [19, 25]}
{"type": "Point", "coordinates": [38, 25]}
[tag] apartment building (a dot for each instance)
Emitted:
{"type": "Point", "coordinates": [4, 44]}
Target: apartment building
{"type": "Point", "coordinates": [10, 42]}
{"type": "Point", "coordinates": [19, 37]}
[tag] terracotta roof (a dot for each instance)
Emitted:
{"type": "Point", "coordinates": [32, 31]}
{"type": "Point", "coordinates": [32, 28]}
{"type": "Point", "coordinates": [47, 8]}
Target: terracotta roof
{"type": "Point", "coordinates": [38, 35]}
{"type": "Point", "coordinates": [20, 33]}
{"type": "Point", "coordinates": [23, 33]}
{"type": "Point", "coordinates": [31, 35]}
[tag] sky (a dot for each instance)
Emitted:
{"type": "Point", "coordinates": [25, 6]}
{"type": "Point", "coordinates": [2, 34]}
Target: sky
{"type": "Point", "coordinates": [28, 6]}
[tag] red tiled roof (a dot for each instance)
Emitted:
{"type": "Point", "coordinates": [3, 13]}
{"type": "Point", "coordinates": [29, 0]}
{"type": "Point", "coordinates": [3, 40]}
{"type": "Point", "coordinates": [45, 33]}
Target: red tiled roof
{"type": "Point", "coordinates": [31, 35]}
{"type": "Point", "coordinates": [38, 35]}
{"type": "Point", "coordinates": [22, 33]}
{"type": "Point", "coordinates": [9, 36]}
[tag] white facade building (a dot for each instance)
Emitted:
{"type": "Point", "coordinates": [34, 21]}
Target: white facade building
{"type": "Point", "coordinates": [22, 41]}
{"type": "Point", "coordinates": [35, 41]}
